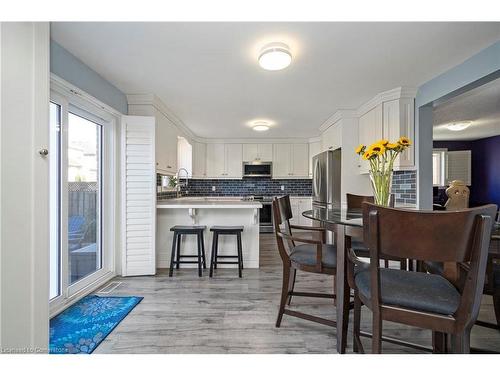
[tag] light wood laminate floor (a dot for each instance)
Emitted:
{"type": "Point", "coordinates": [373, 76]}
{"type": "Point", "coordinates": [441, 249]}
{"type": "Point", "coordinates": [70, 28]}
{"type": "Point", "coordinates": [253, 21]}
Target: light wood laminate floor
{"type": "Point", "coordinates": [225, 314]}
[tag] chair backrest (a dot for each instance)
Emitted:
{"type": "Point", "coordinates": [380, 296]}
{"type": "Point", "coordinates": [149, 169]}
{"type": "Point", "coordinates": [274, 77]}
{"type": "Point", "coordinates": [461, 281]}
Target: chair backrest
{"type": "Point", "coordinates": [440, 236]}
{"type": "Point", "coordinates": [282, 213]}
{"type": "Point", "coordinates": [356, 201]}
{"type": "Point", "coordinates": [458, 196]}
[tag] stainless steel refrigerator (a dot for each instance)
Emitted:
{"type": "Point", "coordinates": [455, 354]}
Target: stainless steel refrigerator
{"type": "Point", "coordinates": [326, 179]}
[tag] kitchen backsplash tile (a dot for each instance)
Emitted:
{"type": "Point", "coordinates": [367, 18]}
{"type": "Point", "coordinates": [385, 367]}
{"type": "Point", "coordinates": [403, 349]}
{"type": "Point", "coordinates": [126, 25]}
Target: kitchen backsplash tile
{"type": "Point", "coordinates": [237, 187]}
{"type": "Point", "coordinates": [404, 186]}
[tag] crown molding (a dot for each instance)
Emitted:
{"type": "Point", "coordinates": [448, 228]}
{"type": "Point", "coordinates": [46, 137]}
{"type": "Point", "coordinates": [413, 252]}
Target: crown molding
{"type": "Point", "coordinates": [385, 96]}
{"type": "Point", "coordinates": [336, 117]}
{"type": "Point", "coordinates": [254, 140]}
{"type": "Point", "coordinates": [153, 100]}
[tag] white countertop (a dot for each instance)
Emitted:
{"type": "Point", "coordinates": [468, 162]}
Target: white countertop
{"type": "Point", "coordinates": [207, 202]}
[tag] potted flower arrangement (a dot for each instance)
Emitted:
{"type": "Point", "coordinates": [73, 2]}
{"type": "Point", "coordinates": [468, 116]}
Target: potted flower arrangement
{"type": "Point", "coordinates": [381, 156]}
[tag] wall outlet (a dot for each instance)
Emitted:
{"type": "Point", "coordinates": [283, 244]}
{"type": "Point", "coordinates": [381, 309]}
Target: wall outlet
{"type": "Point", "coordinates": [213, 188]}
{"type": "Point", "coordinates": [282, 187]}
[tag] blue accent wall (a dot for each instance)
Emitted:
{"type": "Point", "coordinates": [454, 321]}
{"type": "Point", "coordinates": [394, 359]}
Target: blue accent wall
{"type": "Point", "coordinates": [71, 69]}
{"type": "Point", "coordinates": [485, 166]}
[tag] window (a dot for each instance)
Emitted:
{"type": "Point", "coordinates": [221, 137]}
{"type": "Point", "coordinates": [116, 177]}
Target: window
{"type": "Point", "coordinates": [450, 165]}
{"type": "Point", "coordinates": [438, 167]}
{"type": "Point", "coordinates": [459, 166]}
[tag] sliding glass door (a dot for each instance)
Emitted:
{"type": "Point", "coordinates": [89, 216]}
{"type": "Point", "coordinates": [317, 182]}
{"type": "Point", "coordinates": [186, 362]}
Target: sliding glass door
{"type": "Point", "coordinates": [77, 215]}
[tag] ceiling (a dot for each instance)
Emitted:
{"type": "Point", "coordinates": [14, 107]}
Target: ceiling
{"type": "Point", "coordinates": [480, 105]}
{"type": "Point", "coordinates": [207, 73]}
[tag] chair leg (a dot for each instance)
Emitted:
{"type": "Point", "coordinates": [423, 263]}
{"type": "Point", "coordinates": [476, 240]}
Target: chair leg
{"type": "Point", "coordinates": [377, 333]}
{"type": "Point", "coordinates": [439, 342]}
{"type": "Point", "coordinates": [402, 265]}
{"type": "Point", "coordinates": [291, 284]}
{"type": "Point", "coordinates": [203, 251]}
{"type": "Point", "coordinates": [284, 293]}
{"type": "Point", "coordinates": [216, 239]}
{"type": "Point", "coordinates": [356, 322]}
{"type": "Point", "coordinates": [496, 305]}
{"type": "Point", "coordinates": [198, 237]}
{"type": "Point", "coordinates": [240, 254]}
{"type": "Point", "coordinates": [179, 239]}
{"type": "Point", "coordinates": [212, 256]}
{"type": "Point", "coordinates": [461, 342]}
{"type": "Point", "coordinates": [172, 255]}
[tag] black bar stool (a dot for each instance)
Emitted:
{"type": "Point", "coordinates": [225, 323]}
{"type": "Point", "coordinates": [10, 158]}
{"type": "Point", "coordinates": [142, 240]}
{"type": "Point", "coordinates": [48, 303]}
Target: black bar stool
{"type": "Point", "coordinates": [179, 231]}
{"type": "Point", "coordinates": [226, 230]}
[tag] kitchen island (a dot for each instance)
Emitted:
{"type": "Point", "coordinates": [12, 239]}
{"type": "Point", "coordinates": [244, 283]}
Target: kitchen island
{"type": "Point", "coordinates": [208, 211]}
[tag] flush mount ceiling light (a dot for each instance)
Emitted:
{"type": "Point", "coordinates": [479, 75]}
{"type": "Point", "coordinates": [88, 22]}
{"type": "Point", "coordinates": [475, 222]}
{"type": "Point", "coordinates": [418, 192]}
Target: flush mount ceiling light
{"type": "Point", "coordinates": [275, 56]}
{"type": "Point", "coordinates": [459, 126]}
{"type": "Point", "coordinates": [260, 126]}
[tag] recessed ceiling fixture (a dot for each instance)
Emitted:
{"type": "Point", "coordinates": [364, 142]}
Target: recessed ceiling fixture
{"type": "Point", "coordinates": [275, 56]}
{"type": "Point", "coordinates": [458, 126]}
{"type": "Point", "coordinates": [260, 126]}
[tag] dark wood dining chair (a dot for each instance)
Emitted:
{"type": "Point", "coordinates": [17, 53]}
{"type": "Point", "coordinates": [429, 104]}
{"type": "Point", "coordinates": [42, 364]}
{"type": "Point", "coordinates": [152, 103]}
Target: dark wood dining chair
{"type": "Point", "coordinates": [300, 253]}
{"type": "Point", "coordinates": [427, 301]}
{"type": "Point", "coordinates": [355, 202]}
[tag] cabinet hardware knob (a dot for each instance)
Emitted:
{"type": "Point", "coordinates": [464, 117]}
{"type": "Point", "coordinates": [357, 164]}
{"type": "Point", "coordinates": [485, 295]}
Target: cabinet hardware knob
{"type": "Point", "coordinates": [43, 152]}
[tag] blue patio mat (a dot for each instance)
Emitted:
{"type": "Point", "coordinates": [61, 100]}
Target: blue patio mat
{"type": "Point", "coordinates": [82, 327]}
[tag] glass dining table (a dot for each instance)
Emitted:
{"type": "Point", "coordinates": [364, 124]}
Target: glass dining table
{"type": "Point", "coordinates": [345, 224]}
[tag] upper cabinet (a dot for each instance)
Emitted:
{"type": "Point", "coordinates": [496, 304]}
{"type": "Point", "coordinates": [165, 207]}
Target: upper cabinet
{"type": "Point", "coordinates": [257, 152]}
{"type": "Point", "coordinates": [398, 121]}
{"type": "Point", "coordinates": [199, 160]}
{"type": "Point", "coordinates": [370, 131]}
{"type": "Point", "coordinates": [389, 119]}
{"type": "Point", "coordinates": [224, 160]}
{"type": "Point", "coordinates": [291, 160]}
{"type": "Point", "coordinates": [331, 139]}
{"type": "Point", "coordinates": [166, 133]}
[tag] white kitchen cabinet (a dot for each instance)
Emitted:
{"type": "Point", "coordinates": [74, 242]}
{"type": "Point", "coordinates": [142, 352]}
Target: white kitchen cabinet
{"type": "Point", "coordinates": [300, 157]}
{"type": "Point", "coordinates": [166, 134]}
{"type": "Point", "coordinates": [224, 160]}
{"type": "Point", "coordinates": [199, 160]}
{"type": "Point", "coordinates": [290, 160]}
{"type": "Point", "coordinates": [234, 163]}
{"type": "Point", "coordinates": [370, 131]}
{"type": "Point", "coordinates": [398, 121]}
{"type": "Point", "coordinates": [331, 139]}
{"type": "Point", "coordinates": [257, 152]}
{"type": "Point", "coordinates": [314, 149]}
{"type": "Point", "coordinates": [282, 160]}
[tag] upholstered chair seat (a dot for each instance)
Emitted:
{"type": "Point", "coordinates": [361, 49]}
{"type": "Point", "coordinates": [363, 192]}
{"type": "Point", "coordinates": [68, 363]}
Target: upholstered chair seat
{"type": "Point", "coordinates": [306, 255]}
{"type": "Point", "coordinates": [412, 290]}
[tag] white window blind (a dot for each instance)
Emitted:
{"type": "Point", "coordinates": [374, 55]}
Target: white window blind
{"type": "Point", "coordinates": [438, 167]}
{"type": "Point", "coordinates": [459, 166]}
{"type": "Point", "coordinates": [138, 196]}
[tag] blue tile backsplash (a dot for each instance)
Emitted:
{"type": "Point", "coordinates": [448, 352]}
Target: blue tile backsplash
{"type": "Point", "coordinates": [241, 187]}
{"type": "Point", "coordinates": [404, 186]}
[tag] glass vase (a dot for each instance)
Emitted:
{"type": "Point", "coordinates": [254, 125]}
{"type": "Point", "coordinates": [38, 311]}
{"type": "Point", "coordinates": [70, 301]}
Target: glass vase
{"type": "Point", "coordinates": [381, 184]}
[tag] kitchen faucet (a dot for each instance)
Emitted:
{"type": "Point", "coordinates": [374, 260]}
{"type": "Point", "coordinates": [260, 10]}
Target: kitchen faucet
{"type": "Point", "coordinates": [178, 187]}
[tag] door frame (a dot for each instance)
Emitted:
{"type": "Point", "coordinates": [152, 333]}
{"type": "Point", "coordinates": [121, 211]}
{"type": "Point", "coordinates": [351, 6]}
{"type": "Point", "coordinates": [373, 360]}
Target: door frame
{"type": "Point", "coordinates": [76, 101]}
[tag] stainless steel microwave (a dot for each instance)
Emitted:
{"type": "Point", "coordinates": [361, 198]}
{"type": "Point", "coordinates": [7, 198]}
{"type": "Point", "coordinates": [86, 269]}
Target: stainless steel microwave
{"type": "Point", "coordinates": [257, 169]}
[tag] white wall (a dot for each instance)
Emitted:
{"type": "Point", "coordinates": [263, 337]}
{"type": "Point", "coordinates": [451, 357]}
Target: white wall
{"type": "Point", "coordinates": [24, 213]}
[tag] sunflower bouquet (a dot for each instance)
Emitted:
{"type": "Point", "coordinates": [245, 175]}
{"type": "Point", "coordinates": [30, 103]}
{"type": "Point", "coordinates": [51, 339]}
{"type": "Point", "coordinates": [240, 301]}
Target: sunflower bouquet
{"type": "Point", "coordinates": [381, 156]}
